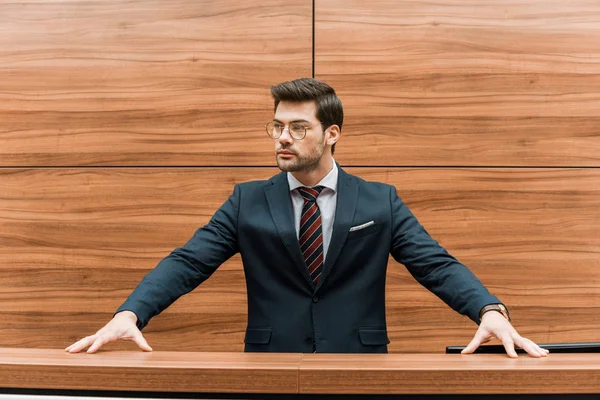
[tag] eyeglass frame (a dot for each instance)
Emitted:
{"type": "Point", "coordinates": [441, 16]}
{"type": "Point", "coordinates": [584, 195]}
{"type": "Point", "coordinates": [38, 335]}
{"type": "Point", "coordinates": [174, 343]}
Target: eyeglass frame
{"type": "Point", "coordinates": [289, 130]}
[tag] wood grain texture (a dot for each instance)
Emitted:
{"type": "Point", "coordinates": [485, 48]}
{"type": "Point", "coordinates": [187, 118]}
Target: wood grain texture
{"type": "Point", "coordinates": [154, 371]}
{"type": "Point", "coordinates": [435, 374]}
{"type": "Point", "coordinates": [75, 242]}
{"type": "Point", "coordinates": [455, 83]}
{"type": "Point", "coordinates": [182, 82]}
{"type": "Point", "coordinates": [161, 371]}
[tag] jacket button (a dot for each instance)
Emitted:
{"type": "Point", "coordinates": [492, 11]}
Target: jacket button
{"type": "Point", "coordinates": [315, 299]}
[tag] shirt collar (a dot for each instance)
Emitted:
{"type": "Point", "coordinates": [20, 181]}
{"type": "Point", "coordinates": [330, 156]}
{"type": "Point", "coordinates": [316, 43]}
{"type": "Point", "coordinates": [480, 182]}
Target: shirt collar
{"type": "Point", "coordinates": [329, 181]}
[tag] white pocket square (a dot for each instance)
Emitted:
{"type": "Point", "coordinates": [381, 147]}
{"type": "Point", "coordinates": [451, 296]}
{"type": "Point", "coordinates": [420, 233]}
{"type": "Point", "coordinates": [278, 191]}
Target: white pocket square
{"type": "Point", "coordinates": [363, 226]}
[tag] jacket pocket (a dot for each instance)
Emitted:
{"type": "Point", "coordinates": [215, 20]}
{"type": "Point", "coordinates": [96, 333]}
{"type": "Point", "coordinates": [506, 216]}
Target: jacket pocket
{"type": "Point", "coordinates": [364, 232]}
{"type": "Point", "coordinates": [258, 335]}
{"type": "Point", "coordinates": [373, 337]}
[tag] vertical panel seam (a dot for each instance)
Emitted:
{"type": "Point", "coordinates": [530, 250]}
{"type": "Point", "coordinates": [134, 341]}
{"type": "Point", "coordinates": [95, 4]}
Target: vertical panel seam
{"type": "Point", "coordinates": [313, 38]}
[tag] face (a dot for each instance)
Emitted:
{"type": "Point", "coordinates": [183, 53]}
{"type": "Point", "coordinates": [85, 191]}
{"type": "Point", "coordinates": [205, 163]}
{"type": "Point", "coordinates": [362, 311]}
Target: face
{"type": "Point", "coordinates": [295, 155]}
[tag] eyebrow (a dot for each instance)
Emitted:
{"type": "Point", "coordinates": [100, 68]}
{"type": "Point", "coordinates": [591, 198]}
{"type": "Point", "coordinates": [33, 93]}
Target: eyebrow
{"type": "Point", "coordinates": [291, 122]}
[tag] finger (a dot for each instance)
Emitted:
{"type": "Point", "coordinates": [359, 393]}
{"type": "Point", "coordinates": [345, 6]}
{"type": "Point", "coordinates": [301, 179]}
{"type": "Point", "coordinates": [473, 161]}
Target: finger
{"type": "Point", "coordinates": [99, 342]}
{"type": "Point", "coordinates": [509, 346]}
{"type": "Point", "coordinates": [533, 351]}
{"type": "Point", "coordinates": [80, 344]}
{"type": "Point", "coordinates": [540, 351]}
{"type": "Point", "coordinates": [530, 347]}
{"type": "Point", "coordinates": [73, 345]}
{"type": "Point", "coordinates": [474, 343]}
{"type": "Point", "coordinates": [139, 339]}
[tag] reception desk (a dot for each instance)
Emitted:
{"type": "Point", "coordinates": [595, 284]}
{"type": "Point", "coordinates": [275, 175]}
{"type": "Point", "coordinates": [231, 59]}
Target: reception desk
{"type": "Point", "coordinates": [273, 375]}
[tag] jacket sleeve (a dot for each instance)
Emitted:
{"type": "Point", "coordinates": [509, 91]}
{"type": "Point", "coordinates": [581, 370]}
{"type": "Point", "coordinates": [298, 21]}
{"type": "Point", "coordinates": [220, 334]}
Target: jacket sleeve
{"type": "Point", "coordinates": [432, 266]}
{"type": "Point", "coordinates": [188, 266]}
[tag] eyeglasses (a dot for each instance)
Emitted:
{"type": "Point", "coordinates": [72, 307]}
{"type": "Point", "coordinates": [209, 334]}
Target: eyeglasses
{"type": "Point", "coordinates": [297, 130]}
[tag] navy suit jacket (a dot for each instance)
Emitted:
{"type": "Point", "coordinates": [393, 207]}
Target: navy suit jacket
{"type": "Point", "coordinates": [345, 312]}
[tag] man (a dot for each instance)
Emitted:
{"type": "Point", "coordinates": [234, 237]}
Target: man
{"type": "Point", "coordinates": [315, 242]}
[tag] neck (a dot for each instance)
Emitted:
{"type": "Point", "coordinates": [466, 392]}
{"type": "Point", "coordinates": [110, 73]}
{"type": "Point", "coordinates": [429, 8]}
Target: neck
{"type": "Point", "coordinates": [314, 176]}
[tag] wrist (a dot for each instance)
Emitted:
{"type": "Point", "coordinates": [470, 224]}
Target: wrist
{"type": "Point", "coordinates": [499, 308]}
{"type": "Point", "coordinates": [128, 315]}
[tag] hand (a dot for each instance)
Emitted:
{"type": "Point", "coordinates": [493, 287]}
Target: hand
{"type": "Point", "coordinates": [122, 326]}
{"type": "Point", "coordinates": [494, 324]}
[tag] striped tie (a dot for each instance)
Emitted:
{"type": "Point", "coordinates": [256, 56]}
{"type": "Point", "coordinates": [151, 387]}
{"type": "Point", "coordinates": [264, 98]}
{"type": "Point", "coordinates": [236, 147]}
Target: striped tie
{"type": "Point", "coordinates": [311, 232]}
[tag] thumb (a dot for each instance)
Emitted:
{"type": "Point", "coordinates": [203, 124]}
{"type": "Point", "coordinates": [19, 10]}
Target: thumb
{"type": "Point", "coordinates": [139, 339]}
{"type": "Point", "coordinates": [474, 344]}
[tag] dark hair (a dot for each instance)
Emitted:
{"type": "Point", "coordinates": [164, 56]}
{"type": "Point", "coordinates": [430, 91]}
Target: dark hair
{"type": "Point", "coordinates": [329, 106]}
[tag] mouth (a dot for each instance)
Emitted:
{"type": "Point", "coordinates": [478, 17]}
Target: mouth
{"type": "Point", "coordinates": [285, 153]}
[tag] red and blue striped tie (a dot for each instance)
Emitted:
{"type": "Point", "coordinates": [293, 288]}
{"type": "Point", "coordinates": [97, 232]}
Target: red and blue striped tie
{"type": "Point", "coordinates": [311, 232]}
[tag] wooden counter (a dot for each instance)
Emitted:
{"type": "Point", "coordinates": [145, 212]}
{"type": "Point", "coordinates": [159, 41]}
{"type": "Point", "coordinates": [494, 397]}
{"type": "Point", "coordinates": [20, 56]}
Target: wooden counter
{"type": "Point", "coordinates": [449, 373]}
{"type": "Point", "coordinates": [159, 371]}
{"type": "Point", "coordinates": [304, 374]}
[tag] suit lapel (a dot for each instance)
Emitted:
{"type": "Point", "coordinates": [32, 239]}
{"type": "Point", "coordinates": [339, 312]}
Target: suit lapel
{"type": "Point", "coordinates": [347, 195]}
{"type": "Point", "coordinates": [280, 205]}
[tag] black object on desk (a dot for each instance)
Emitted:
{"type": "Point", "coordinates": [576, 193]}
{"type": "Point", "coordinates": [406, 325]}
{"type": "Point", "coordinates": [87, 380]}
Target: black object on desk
{"type": "Point", "coordinates": [578, 347]}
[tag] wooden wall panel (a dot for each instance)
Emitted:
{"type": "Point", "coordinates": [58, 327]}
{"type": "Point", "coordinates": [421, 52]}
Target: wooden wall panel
{"type": "Point", "coordinates": [75, 242]}
{"type": "Point", "coordinates": [180, 82]}
{"type": "Point", "coordinates": [450, 83]}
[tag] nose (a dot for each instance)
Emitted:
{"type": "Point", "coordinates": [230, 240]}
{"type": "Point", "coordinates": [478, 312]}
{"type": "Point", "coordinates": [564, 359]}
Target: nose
{"type": "Point", "coordinates": [285, 137]}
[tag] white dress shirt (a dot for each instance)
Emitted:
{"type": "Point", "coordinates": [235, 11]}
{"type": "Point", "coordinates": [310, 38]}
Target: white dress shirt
{"type": "Point", "coordinates": [326, 202]}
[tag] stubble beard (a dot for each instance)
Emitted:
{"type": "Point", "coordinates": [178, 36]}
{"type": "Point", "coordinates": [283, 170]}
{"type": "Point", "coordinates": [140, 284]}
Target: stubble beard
{"type": "Point", "coordinates": [303, 163]}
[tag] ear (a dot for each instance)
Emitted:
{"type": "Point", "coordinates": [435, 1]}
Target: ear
{"type": "Point", "coordinates": [332, 135]}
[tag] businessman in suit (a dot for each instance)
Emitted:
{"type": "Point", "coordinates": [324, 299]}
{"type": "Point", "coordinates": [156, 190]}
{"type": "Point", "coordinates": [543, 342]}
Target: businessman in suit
{"type": "Point", "coordinates": [314, 242]}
